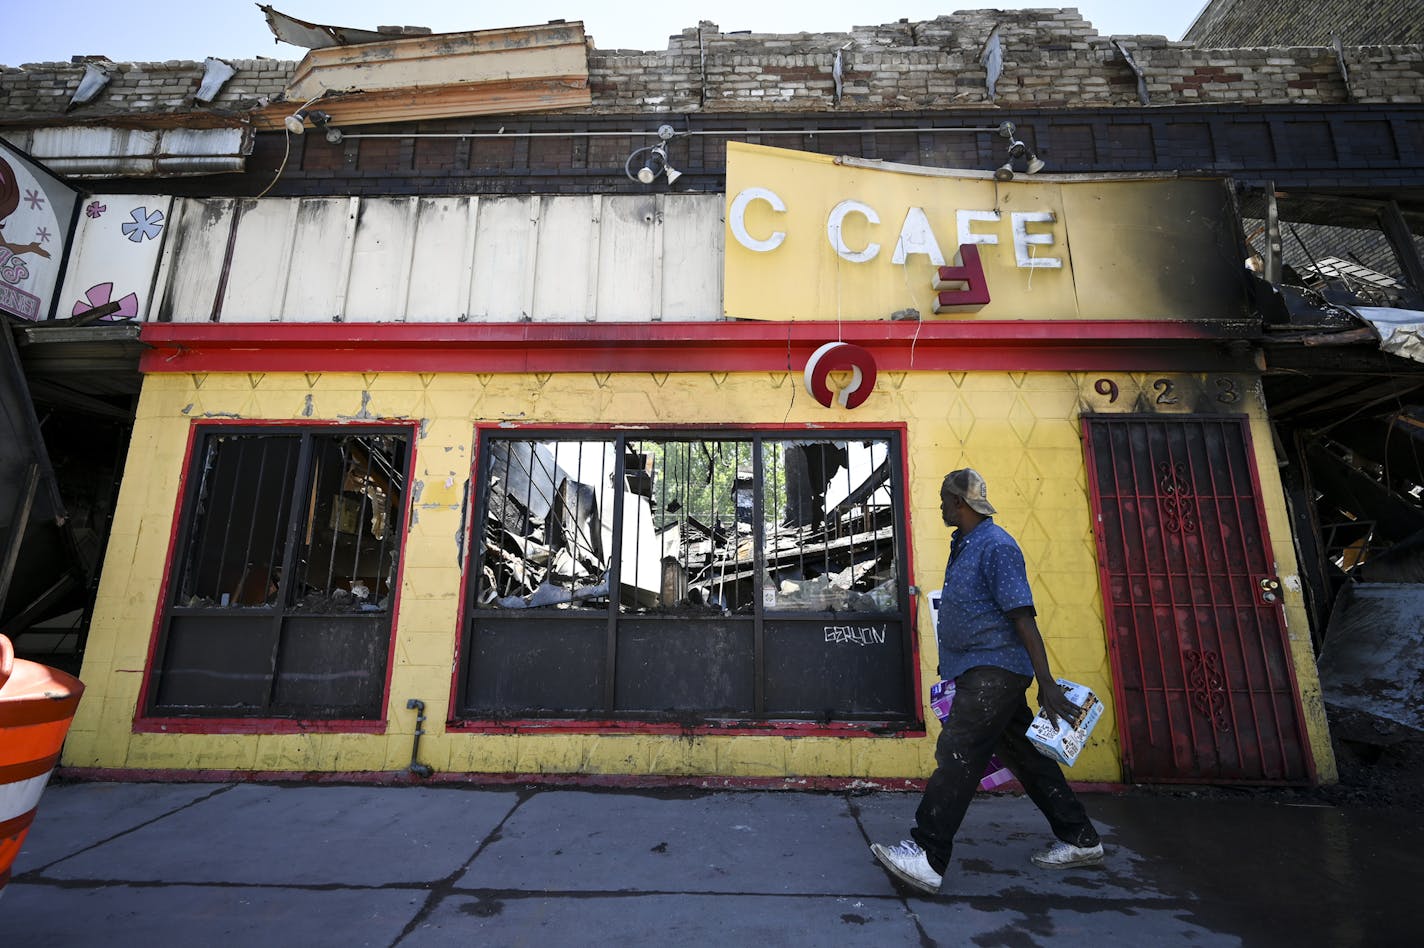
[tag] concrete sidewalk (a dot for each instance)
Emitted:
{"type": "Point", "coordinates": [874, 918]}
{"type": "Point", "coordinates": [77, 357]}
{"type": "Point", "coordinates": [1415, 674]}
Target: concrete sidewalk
{"type": "Point", "coordinates": [259, 864]}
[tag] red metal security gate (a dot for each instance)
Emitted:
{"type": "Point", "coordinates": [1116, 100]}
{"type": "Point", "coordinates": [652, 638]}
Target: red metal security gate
{"type": "Point", "coordinates": [1202, 671]}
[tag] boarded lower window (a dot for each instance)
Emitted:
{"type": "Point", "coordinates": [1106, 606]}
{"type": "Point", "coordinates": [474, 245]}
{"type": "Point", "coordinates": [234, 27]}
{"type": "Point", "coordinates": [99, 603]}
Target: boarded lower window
{"type": "Point", "coordinates": [688, 576]}
{"type": "Point", "coordinates": [280, 598]}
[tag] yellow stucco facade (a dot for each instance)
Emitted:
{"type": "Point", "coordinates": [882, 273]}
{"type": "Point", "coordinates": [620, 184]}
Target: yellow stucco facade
{"type": "Point", "coordinates": [1021, 429]}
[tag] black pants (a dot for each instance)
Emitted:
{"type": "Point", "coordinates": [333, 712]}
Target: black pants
{"type": "Point", "coordinates": [989, 716]}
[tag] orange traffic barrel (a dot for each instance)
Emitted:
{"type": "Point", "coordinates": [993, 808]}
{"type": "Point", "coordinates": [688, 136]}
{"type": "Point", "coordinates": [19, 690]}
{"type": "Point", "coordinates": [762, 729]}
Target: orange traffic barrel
{"type": "Point", "coordinates": [36, 705]}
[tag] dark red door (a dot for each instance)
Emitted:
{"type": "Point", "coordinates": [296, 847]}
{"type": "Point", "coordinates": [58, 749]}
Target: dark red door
{"type": "Point", "coordinates": [1202, 672]}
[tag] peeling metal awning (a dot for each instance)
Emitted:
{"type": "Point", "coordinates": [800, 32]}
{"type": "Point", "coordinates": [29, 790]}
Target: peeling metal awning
{"type": "Point", "coordinates": [108, 151]}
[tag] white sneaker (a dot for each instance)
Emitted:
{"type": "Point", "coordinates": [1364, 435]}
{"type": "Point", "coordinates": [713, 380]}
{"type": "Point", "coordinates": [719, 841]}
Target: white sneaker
{"type": "Point", "coordinates": [1063, 855]}
{"type": "Point", "coordinates": [906, 862]}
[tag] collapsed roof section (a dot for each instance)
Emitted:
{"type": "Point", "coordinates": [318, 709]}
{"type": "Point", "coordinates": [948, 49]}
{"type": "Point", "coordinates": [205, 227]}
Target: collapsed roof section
{"type": "Point", "coordinates": [413, 78]}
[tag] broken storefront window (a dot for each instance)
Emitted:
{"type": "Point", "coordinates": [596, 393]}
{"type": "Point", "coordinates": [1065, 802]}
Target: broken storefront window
{"type": "Point", "coordinates": [705, 525]}
{"type": "Point", "coordinates": [345, 553]}
{"type": "Point", "coordinates": [284, 575]}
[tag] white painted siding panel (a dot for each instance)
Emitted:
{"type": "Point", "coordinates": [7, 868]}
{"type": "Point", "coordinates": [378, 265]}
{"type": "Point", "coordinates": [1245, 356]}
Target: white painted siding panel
{"type": "Point", "coordinates": [317, 261]}
{"type": "Point", "coordinates": [380, 265]}
{"type": "Point", "coordinates": [196, 249]}
{"type": "Point", "coordinates": [692, 257]}
{"type": "Point", "coordinates": [561, 279]}
{"type": "Point", "coordinates": [439, 259]}
{"type": "Point", "coordinates": [628, 251]}
{"type": "Point", "coordinates": [257, 282]}
{"type": "Point", "coordinates": [438, 288]}
{"type": "Point", "coordinates": [502, 260]}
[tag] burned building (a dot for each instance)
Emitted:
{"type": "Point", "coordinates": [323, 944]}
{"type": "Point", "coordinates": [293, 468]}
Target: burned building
{"type": "Point", "coordinates": [593, 404]}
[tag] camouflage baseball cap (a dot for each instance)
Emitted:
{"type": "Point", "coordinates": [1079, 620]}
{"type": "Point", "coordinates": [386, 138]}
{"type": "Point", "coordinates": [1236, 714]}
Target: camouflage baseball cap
{"type": "Point", "coordinates": [968, 484]}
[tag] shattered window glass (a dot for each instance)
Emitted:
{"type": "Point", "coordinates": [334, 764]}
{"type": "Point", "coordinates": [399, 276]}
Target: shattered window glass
{"type": "Point", "coordinates": [346, 545]}
{"type": "Point", "coordinates": [830, 531]}
{"type": "Point", "coordinates": [694, 525]}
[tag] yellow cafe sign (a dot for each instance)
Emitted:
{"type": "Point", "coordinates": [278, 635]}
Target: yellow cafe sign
{"type": "Point", "coordinates": [816, 237]}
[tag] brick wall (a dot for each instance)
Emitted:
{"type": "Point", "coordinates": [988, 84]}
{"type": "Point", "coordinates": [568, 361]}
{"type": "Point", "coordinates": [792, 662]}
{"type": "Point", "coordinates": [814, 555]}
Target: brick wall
{"type": "Point", "coordinates": [1052, 58]}
{"type": "Point", "coordinates": [44, 89]}
{"type": "Point", "coordinates": [1236, 23]}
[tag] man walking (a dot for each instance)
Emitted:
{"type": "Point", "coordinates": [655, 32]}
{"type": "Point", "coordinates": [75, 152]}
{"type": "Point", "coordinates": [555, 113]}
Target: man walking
{"type": "Point", "coordinates": [990, 647]}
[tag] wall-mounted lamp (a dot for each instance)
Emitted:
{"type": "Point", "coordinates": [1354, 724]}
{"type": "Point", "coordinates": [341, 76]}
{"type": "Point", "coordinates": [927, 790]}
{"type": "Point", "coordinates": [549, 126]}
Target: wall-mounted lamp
{"type": "Point", "coordinates": [1017, 149]}
{"type": "Point", "coordinates": [296, 123]}
{"type": "Point", "coordinates": [656, 162]}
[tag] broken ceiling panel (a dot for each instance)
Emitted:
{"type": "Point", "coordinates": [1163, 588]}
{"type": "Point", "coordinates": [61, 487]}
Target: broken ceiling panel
{"type": "Point", "coordinates": [521, 69]}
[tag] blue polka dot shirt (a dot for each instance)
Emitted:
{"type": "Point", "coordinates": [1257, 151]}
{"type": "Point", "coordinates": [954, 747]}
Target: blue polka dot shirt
{"type": "Point", "coordinates": [984, 581]}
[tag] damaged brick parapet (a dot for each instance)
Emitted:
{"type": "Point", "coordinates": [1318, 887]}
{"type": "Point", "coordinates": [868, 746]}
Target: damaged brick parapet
{"type": "Point", "coordinates": [1050, 59]}
{"type": "Point", "coordinates": [45, 89]}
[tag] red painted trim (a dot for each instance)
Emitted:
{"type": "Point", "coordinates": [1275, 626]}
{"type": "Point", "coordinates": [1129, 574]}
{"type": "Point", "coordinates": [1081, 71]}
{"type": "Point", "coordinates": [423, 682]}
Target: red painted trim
{"type": "Point", "coordinates": [404, 778]}
{"type": "Point", "coordinates": [146, 724]}
{"type": "Point", "coordinates": [162, 725]}
{"type": "Point", "coordinates": [1064, 345]}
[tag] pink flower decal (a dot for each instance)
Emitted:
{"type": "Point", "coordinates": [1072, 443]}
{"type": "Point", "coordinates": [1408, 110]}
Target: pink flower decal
{"type": "Point", "coordinates": [95, 209]}
{"type": "Point", "coordinates": [100, 294]}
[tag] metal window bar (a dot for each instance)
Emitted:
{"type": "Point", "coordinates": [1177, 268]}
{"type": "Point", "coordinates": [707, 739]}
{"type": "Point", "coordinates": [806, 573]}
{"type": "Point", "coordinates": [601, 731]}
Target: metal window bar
{"type": "Point", "coordinates": [241, 445]}
{"type": "Point", "coordinates": [244, 576]}
{"type": "Point", "coordinates": [198, 533]}
{"type": "Point", "coordinates": [226, 494]}
{"type": "Point", "coordinates": [290, 458]}
{"type": "Point", "coordinates": [362, 518]}
{"type": "Point", "coordinates": [318, 473]}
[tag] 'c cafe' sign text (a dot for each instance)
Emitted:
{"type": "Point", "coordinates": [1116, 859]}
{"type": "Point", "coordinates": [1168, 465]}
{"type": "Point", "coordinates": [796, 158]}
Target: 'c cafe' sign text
{"type": "Point", "coordinates": [812, 237]}
{"type": "Point", "coordinates": [962, 285]}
